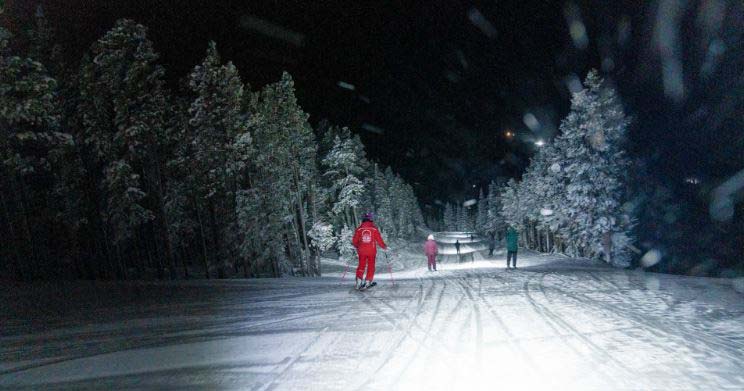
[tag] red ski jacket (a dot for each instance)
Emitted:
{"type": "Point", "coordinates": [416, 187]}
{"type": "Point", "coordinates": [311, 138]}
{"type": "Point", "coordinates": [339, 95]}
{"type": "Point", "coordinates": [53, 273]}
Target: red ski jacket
{"type": "Point", "coordinates": [430, 248]}
{"type": "Point", "coordinates": [366, 238]}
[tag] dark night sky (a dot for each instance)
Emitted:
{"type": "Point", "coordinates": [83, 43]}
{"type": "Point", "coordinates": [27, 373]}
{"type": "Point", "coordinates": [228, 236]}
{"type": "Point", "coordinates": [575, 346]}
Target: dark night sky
{"type": "Point", "coordinates": [443, 90]}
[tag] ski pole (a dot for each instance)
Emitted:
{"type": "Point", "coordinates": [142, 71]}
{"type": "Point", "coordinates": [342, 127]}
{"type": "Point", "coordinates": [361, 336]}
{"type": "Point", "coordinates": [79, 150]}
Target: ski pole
{"type": "Point", "coordinates": [345, 270]}
{"type": "Point", "coordinates": [390, 268]}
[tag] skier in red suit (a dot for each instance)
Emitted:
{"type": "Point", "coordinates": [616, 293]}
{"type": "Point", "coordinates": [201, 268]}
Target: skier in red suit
{"type": "Point", "coordinates": [366, 239]}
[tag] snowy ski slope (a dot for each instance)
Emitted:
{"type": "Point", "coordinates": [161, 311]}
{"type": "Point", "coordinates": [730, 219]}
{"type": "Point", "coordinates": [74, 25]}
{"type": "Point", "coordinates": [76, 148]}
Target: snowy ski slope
{"type": "Point", "coordinates": [554, 323]}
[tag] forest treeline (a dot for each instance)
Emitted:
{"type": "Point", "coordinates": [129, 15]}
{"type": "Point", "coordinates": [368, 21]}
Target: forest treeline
{"type": "Point", "coordinates": [583, 194]}
{"type": "Point", "coordinates": [109, 174]}
{"type": "Point", "coordinates": [573, 196]}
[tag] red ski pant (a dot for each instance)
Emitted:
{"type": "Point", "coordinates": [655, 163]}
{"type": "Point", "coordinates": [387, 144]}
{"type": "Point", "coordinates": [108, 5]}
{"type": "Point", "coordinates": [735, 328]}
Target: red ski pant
{"type": "Point", "coordinates": [366, 260]}
{"type": "Point", "coordinates": [432, 261]}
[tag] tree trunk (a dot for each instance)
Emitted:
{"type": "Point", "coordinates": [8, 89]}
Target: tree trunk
{"type": "Point", "coordinates": [303, 235]}
{"type": "Point", "coordinates": [17, 261]}
{"type": "Point", "coordinates": [216, 240]}
{"type": "Point", "coordinates": [150, 262]}
{"type": "Point", "coordinates": [122, 272]}
{"type": "Point", "coordinates": [163, 223]}
{"type": "Point", "coordinates": [245, 267]}
{"type": "Point", "coordinates": [311, 200]}
{"type": "Point", "coordinates": [203, 241]}
{"type": "Point", "coordinates": [301, 220]}
{"type": "Point", "coordinates": [153, 233]}
{"type": "Point", "coordinates": [183, 263]}
{"type": "Point", "coordinates": [318, 269]}
{"type": "Point", "coordinates": [109, 255]}
{"type": "Point", "coordinates": [304, 267]}
{"type": "Point", "coordinates": [607, 246]}
{"type": "Point", "coordinates": [314, 213]}
{"type": "Point", "coordinates": [27, 229]}
{"type": "Point", "coordinates": [45, 229]}
{"type": "Point", "coordinates": [140, 256]}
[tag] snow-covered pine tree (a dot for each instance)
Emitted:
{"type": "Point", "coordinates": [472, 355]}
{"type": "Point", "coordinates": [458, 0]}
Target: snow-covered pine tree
{"type": "Point", "coordinates": [481, 219]}
{"type": "Point", "coordinates": [42, 47]}
{"type": "Point", "coordinates": [216, 118]}
{"type": "Point", "coordinates": [383, 206]}
{"type": "Point", "coordinates": [67, 191]}
{"type": "Point", "coordinates": [544, 190]}
{"type": "Point", "coordinates": [394, 199]}
{"type": "Point", "coordinates": [472, 216]}
{"type": "Point", "coordinates": [122, 104]}
{"type": "Point", "coordinates": [449, 218]}
{"type": "Point", "coordinates": [405, 206]}
{"type": "Point", "coordinates": [29, 141]}
{"type": "Point", "coordinates": [511, 208]}
{"type": "Point", "coordinates": [346, 251]}
{"type": "Point", "coordinates": [322, 239]}
{"type": "Point", "coordinates": [183, 227]}
{"type": "Point", "coordinates": [399, 203]}
{"type": "Point", "coordinates": [495, 221]}
{"type": "Point", "coordinates": [325, 193]}
{"type": "Point", "coordinates": [28, 116]}
{"type": "Point", "coordinates": [300, 166]}
{"type": "Point", "coordinates": [269, 192]}
{"type": "Point", "coordinates": [592, 163]}
{"type": "Point", "coordinates": [417, 216]}
{"type": "Point", "coordinates": [530, 202]}
{"type": "Point", "coordinates": [452, 217]}
{"type": "Point", "coordinates": [410, 211]}
{"type": "Point", "coordinates": [463, 216]}
{"type": "Point", "coordinates": [344, 165]}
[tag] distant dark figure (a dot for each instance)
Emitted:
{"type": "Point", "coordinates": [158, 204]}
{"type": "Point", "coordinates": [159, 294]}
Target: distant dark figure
{"type": "Point", "coordinates": [472, 238]}
{"type": "Point", "coordinates": [457, 247]}
{"type": "Point", "coordinates": [491, 243]}
{"type": "Point", "coordinates": [431, 251]}
{"type": "Point", "coordinates": [512, 245]}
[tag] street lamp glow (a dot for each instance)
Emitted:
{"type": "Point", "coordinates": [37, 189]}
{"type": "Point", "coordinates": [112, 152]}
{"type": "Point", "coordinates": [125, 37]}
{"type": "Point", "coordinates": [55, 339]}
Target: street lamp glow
{"type": "Point", "coordinates": [539, 143]}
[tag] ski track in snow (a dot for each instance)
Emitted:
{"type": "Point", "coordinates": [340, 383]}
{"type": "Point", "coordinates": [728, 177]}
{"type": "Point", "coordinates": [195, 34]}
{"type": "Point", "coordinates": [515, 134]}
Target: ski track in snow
{"type": "Point", "coordinates": [555, 323]}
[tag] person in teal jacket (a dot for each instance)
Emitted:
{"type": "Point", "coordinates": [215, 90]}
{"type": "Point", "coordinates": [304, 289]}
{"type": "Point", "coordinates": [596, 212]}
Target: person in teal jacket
{"type": "Point", "coordinates": [512, 245]}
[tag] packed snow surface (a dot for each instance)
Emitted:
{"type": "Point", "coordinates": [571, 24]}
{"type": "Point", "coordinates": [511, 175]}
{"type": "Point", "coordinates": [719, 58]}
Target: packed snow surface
{"type": "Point", "coordinates": [554, 323]}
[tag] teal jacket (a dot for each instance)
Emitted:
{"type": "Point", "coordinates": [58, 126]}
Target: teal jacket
{"type": "Point", "coordinates": [512, 240]}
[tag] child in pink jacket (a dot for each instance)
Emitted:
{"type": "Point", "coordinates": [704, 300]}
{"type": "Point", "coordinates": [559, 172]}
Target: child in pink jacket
{"type": "Point", "coordinates": [431, 251]}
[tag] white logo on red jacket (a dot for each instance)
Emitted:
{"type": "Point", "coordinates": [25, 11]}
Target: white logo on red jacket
{"type": "Point", "coordinates": [367, 236]}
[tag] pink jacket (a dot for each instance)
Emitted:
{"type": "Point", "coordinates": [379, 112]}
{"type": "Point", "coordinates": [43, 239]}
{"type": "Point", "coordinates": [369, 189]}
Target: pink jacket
{"type": "Point", "coordinates": [430, 248]}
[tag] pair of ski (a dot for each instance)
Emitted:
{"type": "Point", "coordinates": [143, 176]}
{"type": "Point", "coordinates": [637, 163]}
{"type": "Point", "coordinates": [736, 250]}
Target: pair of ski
{"type": "Point", "coordinates": [365, 286]}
